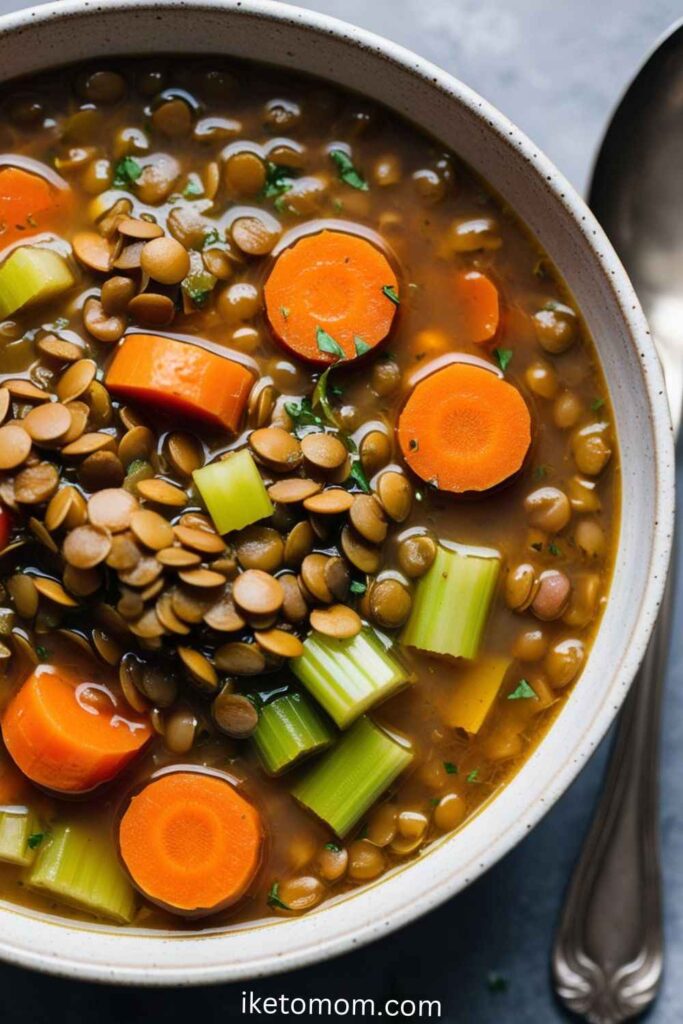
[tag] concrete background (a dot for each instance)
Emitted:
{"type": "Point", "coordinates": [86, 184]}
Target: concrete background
{"type": "Point", "coordinates": [556, 67]}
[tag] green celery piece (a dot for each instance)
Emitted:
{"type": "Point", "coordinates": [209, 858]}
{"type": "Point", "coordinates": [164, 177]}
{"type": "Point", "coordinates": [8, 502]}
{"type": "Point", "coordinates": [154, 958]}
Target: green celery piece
{"type": "Point", "coordinates": [289, 729]}
{"type": "Point", "coordinates": [78, 866]}
{"type": "Point", "coordinates": [348, 677]}
{"type": "Point", "coordinates": [233, 492]}
{"type": "Point", "coordinates": [452, 601]}
{"type": "Point", "coordinates": [17, 824]}
{"type": "Point", "coordinates": [341, 787]}
{"type": "Point", "coordinates": [30, 275]}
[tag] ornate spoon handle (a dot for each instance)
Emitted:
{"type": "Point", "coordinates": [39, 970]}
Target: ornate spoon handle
{"type": "Point", "coordinates": [608, 955]}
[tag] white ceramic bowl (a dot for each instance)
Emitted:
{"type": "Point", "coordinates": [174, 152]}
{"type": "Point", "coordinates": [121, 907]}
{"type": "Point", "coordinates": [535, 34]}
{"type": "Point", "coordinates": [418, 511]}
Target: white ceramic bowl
{"type": "Point", "coordinates": [71, 30]}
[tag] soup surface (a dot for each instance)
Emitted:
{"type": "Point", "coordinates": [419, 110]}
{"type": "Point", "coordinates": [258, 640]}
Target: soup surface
{"type": "Point", "coordinates": [309, 492]}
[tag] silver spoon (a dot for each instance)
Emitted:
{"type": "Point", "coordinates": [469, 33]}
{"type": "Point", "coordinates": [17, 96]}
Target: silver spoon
{"type": "Point", "coordinates": [609, 950]}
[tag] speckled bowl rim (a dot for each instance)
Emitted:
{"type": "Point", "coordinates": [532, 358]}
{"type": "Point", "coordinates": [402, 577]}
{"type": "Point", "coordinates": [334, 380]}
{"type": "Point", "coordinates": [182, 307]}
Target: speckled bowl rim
{"type": "Point", "coordinates": [101, 953]}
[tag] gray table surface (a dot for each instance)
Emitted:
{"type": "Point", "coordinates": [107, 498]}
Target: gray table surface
{"type": "Point", "coordinates": [556, 67]}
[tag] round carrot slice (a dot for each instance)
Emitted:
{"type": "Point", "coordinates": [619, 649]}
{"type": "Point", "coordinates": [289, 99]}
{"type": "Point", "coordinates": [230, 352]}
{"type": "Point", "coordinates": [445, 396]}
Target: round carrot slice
{"type": "Point", "coordinates": [464, 429]}
{"type": "Point", "coordinates": [70, 736]}
{"type": "Point", "coordinates": [190, 842]}
{"type": "Point", "coordinates": [30, 203]}
{"type": "Point", "coordinates": [331, 296]}
{"type": "Point", "coordinates": [477, 306]}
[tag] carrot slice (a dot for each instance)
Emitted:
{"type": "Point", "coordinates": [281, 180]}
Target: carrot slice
{"type": "Point", "coordinates": [180, 377]}
{"type": "Point", "coordinates": [464, 429]}
{"type": "Point", "coordinates": [335, 283]}
{"type": "Point", "coordinates": [61, 739]}
{"type": "Point", "coordinates": [477, 306]}
{"type": "Point", "coordinates": [190, 842]}
{"type": "Point", "coordinates": [29, 204]}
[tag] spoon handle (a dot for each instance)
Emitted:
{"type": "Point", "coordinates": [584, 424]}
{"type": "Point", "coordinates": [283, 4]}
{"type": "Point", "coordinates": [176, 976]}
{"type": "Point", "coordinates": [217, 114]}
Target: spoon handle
{"type": "Point", "coordinates": [608, 954]}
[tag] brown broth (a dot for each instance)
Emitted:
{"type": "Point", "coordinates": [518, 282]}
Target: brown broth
{"type": "Point", "coordinates": [414, 231]}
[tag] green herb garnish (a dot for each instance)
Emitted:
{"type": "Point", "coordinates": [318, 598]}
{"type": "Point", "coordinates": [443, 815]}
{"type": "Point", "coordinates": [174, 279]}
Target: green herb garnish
{"type": "Point", "coordinates": [450, 768]}
{"type": "Point", "coordinates": [597, 404]}
{"type": "Point", "coordinates": [279, 179]}
{"type": "Point", "coordinates": [523, 691]}
{"type": "Point", "coordinates": [390, 293]}
{"type": "Point", "coordinates": [347, 170]}
{"type": "Point", "coordinates": [326, 343]}
{"type": "Point", "coordinates": [540, 473]}
{"type": "Point", "coordinates": [553, 549]}
{"type": "Point", "coordinates": [335, 847]}
{"type": "Point", "coordinates": [357, 587]}
{"type": "Point", "coordinates": [285, 312]}
{"type": "Point", "coordinates": [473, 776]}
{"type": "Point", "coordinates": [126, 172]}
{"type": "Point", "coordinates": [211, 238]}
{"type": "Point", "coordinates": [273, 898]}
{"type": "Point", "coordinates": [361, 346]}
{"type": "Point", "coordinates": [503, 357]}
{"type": "Point", "coordinates": [193, 188]}
{"type": "Point", "coordinates": [303, 415]}
{"type": "Point", "coordinates": [35, 839]}
{"type": "Point", "coordinates": [42, 652]}
{"type": "Point", "coordinates": [358, 476]}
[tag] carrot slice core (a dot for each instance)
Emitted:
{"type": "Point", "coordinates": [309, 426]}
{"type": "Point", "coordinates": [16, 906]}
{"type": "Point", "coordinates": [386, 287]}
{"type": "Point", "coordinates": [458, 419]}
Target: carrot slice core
{"type": "Point", "coordinates": [190, 842]}
{"type": "Point", "coordinates": [62, 739]}
{"type": "Point", "coordinates": [180, 377]}
{"type": "Point", "coordinates": [335, 282]}
{"type": "Point", "coordinates": [464, 429]}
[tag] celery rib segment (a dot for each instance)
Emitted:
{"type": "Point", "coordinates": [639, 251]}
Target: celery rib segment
{"type": "Point", "coordinates": [233, 491]}
{"type": "Point", "coordinates": [348, 677]}
{"type": "Point", "coordinates": [342, 786]}
{"type": "Point", "coordinates": [17, 827]}
{"type": "Point", "coordinates": [289, 729]}
{"type": "Point", "coordinates": [78, 866]}
{"type": "Point", "coordinates": [452, 601]}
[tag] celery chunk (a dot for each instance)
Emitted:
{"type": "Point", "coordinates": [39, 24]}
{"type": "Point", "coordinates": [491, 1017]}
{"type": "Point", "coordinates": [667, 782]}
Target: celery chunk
{"type": "Point", "coordinates": [347, 781]}
{"type": "Point", "coordinates": [18, 827]}
{"type": "Point", "coordinates": [233, 492]}
{"type": "Point", "coordinates": [30, 275]}
{"type": "Point", "coordinates": [452, 601]}
{"type": "Point", "coordinates": [78, 866]}
{"type": "Point", "coordinates": [348, 677]}
{"type": "Point", "coordinates": [289, 729]}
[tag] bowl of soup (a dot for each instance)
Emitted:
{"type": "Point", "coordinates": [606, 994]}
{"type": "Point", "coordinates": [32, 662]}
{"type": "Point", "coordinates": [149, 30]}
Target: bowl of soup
{"type": "Point", "coordinates": [335, 488]}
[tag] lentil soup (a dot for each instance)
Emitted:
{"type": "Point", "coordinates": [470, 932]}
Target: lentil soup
{"type": "Point", "coordinates": [309, 492]}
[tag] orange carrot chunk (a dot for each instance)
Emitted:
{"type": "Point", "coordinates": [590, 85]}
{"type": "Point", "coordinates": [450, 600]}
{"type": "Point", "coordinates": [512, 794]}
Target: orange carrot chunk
{"type": "Point", "coordinates": [464, 429]}
{"type": "Point", "coordinates": [68, 736]}
{"type": "Point", "coordinates": [331, 296]}
{"type": "Point", "coordinates": [477, 306]}
{"type": "Point", "coordinates": [180, 377]}
{"type": "Point", "coordinates": [13, 786]}
{"type": "Point", "coordinates": [29, 204]}
{"type": "Point", "coordinates": [190, 842]}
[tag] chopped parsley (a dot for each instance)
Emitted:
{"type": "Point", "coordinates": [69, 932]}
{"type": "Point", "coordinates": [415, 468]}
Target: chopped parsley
{"type": "Point", "coordinates": [285, 310]}
{"type": "Point", "coordinates": [321, 399]}
{"type": "Point", "coordinates": [523, 691]}
{"type": "Point", "coordinates": [361, 346]}
{"type": "Point", "coordinates": [279, 179]}
{"type": "Point", "coordinates": [503, 357]}
{"type": "Point", "coordinates": [358, 476]}
{"type": "Point", "coordinates": [303, 415]}
{"type": "Point", "coordinates": [273, 898]}
{"type": "Point", "coordinates": [357, 587]}
{"type": "Point", "coordinates": [390, 293]}
{"type": "Point", "coordinates": [553, 549]}
{"type": "Point", "coordinates": [473, 775]}
{"type": "Point", "coordinates": [211, 237]}
{"type": "Point", "coordinates": [347, 171]}
{"type": "Point", "coordinates": [35, 839]}
{"type": "Point", "coordinates": [193, 188]}
{"type": "Point", "coordinates": [450, 768]}
{"type": "Point", "coordinates": [126, 172]}
{"type": "Point", "coordinates": [42, 652]}
{"type": "Point", "coordinates": [335, 847]}
{"type": "Point", "coordinates": [597, 404]}
{"type": "Point", "coordinates": [326, 343]}
{"type": "Point", "coordinates": [540, 473]}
